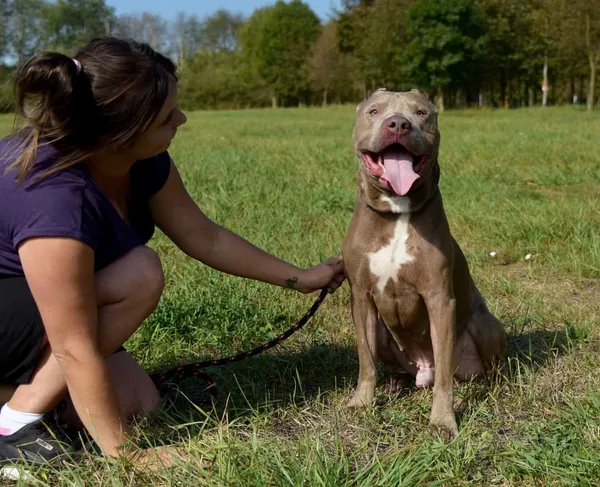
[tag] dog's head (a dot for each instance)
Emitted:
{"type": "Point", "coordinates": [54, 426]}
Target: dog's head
{"type": "Point", "coordinates": [397, 139]}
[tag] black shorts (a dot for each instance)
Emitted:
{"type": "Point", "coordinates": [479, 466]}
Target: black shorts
{"type": "Point", "coordinates": [22, 333]}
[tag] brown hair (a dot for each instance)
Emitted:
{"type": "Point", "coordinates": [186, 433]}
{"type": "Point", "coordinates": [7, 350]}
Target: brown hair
{"type": "Point", "coordinates": [108, 94]}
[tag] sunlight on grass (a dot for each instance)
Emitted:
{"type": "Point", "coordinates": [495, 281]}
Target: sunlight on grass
{"type": "Point", "coordinates": [513, 182]}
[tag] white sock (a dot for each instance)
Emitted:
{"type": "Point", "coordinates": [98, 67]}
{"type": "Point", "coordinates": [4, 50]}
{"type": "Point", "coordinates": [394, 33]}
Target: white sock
{"type": "Point", "coordinates": [12, 421]}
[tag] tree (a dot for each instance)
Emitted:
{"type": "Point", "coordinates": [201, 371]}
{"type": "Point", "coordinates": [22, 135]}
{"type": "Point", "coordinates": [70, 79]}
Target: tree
{"type": "Point", "coordinates": [220, 31]}
{"type": "Point", "coordinates": [585, 18]}
{"type": "Point", "coordinates": [68, 24]}
{"type": "Point", "coordinates": [331, 72]}
{"type": "Point", "coordinates": [353, 28]}
{"type": "Point", "coordinates": [185, 38]}
{"type": "Point", "coordinates": [382, 44]}
{"type": "Point", "coordinates": [146, 27]}
{"type": "Point", "coordinates": [287, 33]}
{"type": "Point", "coordinates": [575, 29]}
{"type": "Point", "coordinates": [250, 34]}
{"type": "Point", "coordinates": [517, 46]}
{"type": "Point", "coordinates": [5, 15]}
{"type": "Point", "coordinates": [352, 22]}
{"type": "Point", "coordinates": [325, 60]}
{"type": "Point", "coordinates": [538, 45]}
{"type": "Point", "coordinates": [447, 42]}
{"type": "Point", "coordinates": [6, 90]}
{"type": "Point", "coordinates": [25, 28]}
{"type": "Point", "coordinates": [568, 60]}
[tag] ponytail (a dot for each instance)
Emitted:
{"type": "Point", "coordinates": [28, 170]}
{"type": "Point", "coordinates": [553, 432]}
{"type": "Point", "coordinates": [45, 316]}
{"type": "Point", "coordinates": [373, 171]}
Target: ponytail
{"type": "Point", "coordinates": [55, 102]}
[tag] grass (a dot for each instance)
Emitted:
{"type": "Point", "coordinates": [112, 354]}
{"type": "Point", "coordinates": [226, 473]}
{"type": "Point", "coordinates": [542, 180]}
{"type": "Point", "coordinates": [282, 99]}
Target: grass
{"type": "Point", "coordinates": [514, 182]}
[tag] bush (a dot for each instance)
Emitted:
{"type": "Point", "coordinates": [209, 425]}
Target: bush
{"type": "Point", "coordinates": [6, 89]}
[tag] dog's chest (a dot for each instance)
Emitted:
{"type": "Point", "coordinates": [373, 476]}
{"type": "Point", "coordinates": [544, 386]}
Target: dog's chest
{"type": "Point", "coordinates": [386, 262]}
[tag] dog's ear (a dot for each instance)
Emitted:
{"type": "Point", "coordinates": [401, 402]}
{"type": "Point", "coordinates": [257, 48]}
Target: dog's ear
{"type": "Point", "coordinates": [369, 94]}
{"type": "Point", "coordinates": [377, 90]}
{"type": "Point", "coordinates": [417, 92]}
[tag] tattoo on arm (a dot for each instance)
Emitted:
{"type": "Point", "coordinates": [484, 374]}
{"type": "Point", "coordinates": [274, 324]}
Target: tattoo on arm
{"type": "Point", "coordinates": [292, 283]}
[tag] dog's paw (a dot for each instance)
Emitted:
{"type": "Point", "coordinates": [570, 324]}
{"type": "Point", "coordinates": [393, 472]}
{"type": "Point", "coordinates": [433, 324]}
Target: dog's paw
{"type": "Point", "coordinates": [361, 398]}
{"type": "Point", "coordinates": [444, 427]}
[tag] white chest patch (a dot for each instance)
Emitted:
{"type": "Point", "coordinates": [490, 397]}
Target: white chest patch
{"type": "Point", "coordinates": [398, 204]}
{"type": "Point", "coordinates": [384, 263]}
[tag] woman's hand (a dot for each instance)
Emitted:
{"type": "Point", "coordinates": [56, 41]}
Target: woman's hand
{"type": "Point", "coordinates": [156, 458]}
{"type": "Point", "coordinates": [329, 273]}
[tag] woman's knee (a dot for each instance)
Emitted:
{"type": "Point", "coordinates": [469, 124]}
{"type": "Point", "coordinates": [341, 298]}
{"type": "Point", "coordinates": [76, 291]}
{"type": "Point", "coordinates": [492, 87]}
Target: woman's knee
{"type": "Point", "coordinates": [136, 274]}
{"type": "Point", "coordinates": [151, 278]}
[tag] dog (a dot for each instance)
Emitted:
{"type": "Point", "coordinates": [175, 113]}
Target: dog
{"type": "Point", "coordinates": [414, 304]}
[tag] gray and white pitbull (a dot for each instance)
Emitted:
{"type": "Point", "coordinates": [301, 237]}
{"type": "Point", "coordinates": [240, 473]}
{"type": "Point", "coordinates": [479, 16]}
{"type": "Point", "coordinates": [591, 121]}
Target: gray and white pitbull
{"type": "Point", "coordinates": [414, 304]}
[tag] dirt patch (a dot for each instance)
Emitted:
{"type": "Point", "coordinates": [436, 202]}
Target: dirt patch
{"type": "Point", "coordinates": [556, 289]}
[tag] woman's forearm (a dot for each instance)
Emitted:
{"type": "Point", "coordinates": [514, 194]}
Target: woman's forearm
{"type": "Point", "coordinates": [96, 403]}
{"type": "Point", "coordinates": [232, 254]}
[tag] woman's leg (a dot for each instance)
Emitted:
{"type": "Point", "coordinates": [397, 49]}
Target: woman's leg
{"type": "Point", "coordinates": [127, 292]}
{"type": "Point", "coordinates": [6, 392]}
{"type": "Point", "coordinates": [135, 390]}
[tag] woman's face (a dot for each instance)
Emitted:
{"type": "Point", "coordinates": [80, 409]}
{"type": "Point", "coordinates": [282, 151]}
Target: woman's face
{"type": "Point", "coordinates": [158, 137]}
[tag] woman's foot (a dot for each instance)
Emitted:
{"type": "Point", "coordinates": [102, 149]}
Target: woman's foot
{"type": "Point", "coordinates": [40, 442]}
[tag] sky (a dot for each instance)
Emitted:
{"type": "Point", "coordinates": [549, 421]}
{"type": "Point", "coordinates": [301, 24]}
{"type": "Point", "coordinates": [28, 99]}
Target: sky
{"type": "Point", "coordinates": [169, 8]}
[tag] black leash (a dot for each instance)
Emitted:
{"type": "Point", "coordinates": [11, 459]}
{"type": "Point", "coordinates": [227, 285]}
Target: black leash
{"type": "Point", "coordinates": [168, 380]}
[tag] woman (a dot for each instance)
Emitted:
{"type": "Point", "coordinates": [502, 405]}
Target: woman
{"type": "Point", "coordinates": [83, 184]}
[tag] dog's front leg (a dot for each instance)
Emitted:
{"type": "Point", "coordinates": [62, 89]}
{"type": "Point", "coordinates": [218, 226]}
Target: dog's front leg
{"type": "Point", "coordinates": [441, 307]}
{"type": "Point", "coordinates": [364, 315]}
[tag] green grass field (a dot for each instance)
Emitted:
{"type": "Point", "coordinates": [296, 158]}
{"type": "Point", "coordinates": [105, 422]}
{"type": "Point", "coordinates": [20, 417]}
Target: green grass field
{"type": "Point", "coordinates": [514, 182]}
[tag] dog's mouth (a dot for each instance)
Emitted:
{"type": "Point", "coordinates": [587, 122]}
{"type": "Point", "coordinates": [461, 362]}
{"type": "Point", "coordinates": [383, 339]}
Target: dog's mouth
{"type": "Point", "coordinates": [396, 167]}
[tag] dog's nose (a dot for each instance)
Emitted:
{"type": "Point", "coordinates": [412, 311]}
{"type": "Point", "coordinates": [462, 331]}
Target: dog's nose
{"type": "Point", "coordinates": [398, 124]}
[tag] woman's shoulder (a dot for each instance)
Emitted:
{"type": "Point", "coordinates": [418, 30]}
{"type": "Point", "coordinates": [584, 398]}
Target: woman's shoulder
{"type": "Point", "coordinates": [46, 156]}
{"type": "Point", "coordinates": [62, 204]}
{"type": "Point", "coordinates": [67, 192]}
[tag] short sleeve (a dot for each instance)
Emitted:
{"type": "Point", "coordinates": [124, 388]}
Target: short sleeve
{"type": "Point", "coordinates": [65, 209]}
{"type": "Point", "coordinates": [150, 175]}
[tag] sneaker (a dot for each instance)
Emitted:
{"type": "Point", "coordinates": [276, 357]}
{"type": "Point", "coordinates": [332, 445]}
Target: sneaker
{"type": "Point", "coordinates": [40, 442]}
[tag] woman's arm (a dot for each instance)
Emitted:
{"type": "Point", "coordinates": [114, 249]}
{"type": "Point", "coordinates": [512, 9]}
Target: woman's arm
{"type": "Point", "coordinates": [60, 274]}
{"type": "Point", "coordinates": [180, 218]}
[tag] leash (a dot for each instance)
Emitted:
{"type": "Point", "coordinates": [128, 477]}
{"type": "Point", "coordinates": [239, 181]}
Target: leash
{"type": "Point", "coordinates": [166, 381]}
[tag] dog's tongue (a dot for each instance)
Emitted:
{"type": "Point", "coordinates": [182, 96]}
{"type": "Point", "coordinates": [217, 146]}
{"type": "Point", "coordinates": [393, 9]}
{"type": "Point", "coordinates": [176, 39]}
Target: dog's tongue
{"type": "Point", "coordinates": [398, 169]}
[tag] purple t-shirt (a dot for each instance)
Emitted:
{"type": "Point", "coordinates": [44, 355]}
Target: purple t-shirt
{"type": "Point", "coordinates": [70, 204]}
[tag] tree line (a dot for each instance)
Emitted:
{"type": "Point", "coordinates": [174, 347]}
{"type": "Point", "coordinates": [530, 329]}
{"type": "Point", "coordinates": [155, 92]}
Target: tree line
{"type": "Point", "coordinates": [494, 53]}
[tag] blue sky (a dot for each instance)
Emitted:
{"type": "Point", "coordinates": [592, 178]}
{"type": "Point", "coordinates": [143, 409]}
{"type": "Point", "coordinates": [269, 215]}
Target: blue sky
{"type": "Point", "coordinates": [168, 8]}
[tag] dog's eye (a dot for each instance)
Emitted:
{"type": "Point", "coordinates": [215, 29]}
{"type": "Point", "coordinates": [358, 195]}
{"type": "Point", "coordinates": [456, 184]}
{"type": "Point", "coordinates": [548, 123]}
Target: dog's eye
{"type": "Point", "coordinates": [373, 111]}
{"type": "Point", "coordinates": [421, 113]}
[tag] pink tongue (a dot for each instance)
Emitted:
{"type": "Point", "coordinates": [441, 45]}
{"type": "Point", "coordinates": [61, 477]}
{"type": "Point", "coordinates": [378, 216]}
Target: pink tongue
{"type": "Point", "coordinates": [398, 170]}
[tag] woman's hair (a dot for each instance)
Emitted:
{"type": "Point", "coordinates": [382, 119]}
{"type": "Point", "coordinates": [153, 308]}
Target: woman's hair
{"type": "Point", "coordinates": [108, 94]}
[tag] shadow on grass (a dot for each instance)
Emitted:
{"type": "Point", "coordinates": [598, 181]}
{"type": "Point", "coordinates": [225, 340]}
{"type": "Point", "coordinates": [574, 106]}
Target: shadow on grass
{"type": "Point", "coordinates": [275, 378]}
{"type": "Point", "coordinates": [266, 383]}
{"type": "Point", "coordinates": [534, 349]}
{"type": "Point", "coordinates": [528, 352]}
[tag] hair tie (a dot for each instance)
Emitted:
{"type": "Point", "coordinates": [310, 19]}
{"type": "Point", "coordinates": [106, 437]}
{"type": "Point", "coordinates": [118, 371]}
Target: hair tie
{"type": "Point", "coordinates": [78, 64]}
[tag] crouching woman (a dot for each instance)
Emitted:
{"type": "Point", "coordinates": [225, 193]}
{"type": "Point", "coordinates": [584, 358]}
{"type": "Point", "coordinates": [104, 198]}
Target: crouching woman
{"type": "Point", "coordinates": [83, 183]}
